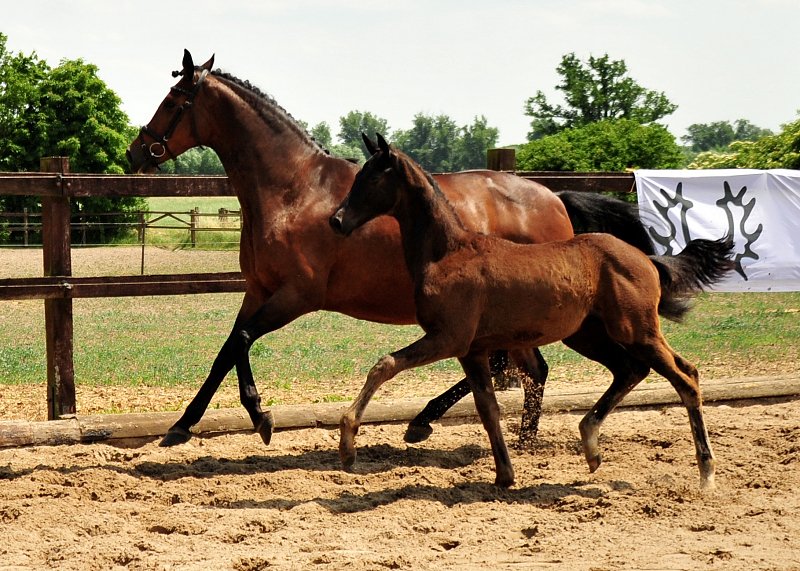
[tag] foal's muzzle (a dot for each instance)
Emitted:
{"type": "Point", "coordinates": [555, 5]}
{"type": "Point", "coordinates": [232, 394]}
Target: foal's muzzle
{"type": "Point", "coordinates": [337, 223]}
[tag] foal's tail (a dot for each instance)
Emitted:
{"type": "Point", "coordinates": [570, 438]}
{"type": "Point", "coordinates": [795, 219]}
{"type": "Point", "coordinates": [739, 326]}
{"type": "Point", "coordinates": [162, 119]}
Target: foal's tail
{"type": "Point", "coordinates": [594, 212]}
{"type": "Point", "coordinates": [702, 263]}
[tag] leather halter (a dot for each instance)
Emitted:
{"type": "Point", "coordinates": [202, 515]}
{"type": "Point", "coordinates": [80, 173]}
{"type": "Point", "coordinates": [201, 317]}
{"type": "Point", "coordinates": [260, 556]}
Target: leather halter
{"type": "Point", "coordinates": [160, 147]}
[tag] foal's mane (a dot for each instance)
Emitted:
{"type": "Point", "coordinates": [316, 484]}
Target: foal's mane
{"type": "Point", "coordinates": [438, 194]}
{"type": "Point", "coordinates": [268, 109]}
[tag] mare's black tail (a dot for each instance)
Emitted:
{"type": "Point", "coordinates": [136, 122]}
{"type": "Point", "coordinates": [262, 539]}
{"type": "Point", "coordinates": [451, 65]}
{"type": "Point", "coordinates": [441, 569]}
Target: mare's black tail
{"type": "Point", "coordinates": [702, 263]}
{"type": "Point", "coordinates": [593, 212]}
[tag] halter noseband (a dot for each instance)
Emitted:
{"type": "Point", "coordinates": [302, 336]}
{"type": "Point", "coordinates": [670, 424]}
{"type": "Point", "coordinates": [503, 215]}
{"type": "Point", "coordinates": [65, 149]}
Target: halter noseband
{"type": "Point", "coordinates": [160, 147]}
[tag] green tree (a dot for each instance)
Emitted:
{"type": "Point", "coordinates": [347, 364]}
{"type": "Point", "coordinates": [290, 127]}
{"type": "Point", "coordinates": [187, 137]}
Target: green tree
{"type": "Point", "coordinates": [598, 90]}
{"type": "Point", "coordinates": [64, 111]}
{"type": "Point", "coordinates": [702, 137]}
{"type": "Point", "coordinates": [471, 147]}
{"type": "Point", "coordinates": [767, 152]}
{"type": "Point", "coordinates": [350, 128]}
{"type": "Point", "coordinates": [431, 142]}
{"type": "Point", "coordinates": [322, 133]}
{"type": "Point", "coordinates": [610, 145]}
{"type": "Point", "coordinates": [195, 161]}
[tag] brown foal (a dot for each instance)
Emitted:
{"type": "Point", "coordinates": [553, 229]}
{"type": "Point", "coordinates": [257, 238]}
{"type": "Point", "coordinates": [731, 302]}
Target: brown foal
{"type": "Point", "coordinates": [475, 293]}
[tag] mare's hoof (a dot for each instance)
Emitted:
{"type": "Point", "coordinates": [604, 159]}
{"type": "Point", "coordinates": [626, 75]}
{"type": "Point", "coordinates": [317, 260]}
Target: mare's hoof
{"type": "Point", "coordinates": [348, 459]}
{"type": "Point", "coordinates": [264, 427]}
{"type": "Point", "coordinates": [174, 436]}
{"type": "Point", "coordinates": [504, 481]}
{"type": "Point", "coordinates": [594, 463]}
{"type": "Point", "coordinates": [417, 433]}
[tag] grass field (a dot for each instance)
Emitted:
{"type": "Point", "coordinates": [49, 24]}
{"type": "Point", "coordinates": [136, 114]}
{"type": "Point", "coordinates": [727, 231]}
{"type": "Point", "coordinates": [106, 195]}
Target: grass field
{"type": "Point", "coordinates": [172, 341]}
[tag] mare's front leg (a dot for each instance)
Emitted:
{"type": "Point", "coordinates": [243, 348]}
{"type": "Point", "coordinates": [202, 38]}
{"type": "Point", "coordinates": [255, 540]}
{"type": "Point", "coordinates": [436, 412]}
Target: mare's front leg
{"type": "Point", "coordinates": [255, 319]}
{"type": "Point", "coordinates": [476, 366]}
{"type": "Point", "coordinates": [424, 351]}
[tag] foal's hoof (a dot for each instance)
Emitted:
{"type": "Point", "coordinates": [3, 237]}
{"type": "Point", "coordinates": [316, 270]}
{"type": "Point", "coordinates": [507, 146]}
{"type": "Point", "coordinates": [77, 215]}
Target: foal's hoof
{"type": "Point", "coordinates": [594, 463]}
{"type": "Point", "coordinates": [417, 433]}
{"type": "Point", "coordinates": [174, 436]}
{"type": "Point", "coordinates": [264, 427]}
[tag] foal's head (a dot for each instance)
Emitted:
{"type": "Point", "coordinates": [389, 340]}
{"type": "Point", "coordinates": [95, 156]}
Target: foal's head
{"type": "Point", "coordinates": [173, 128]}
{"type": "Point", "coordinates": [375, 191]}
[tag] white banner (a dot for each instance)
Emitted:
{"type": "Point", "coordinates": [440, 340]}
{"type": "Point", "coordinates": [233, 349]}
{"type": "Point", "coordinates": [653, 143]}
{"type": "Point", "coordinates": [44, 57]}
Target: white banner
{"type": "Point", "coordinates": [760, 209]}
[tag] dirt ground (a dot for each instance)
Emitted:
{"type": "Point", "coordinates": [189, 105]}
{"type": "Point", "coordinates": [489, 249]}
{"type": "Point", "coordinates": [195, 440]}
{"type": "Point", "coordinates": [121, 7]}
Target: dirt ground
{"type": "Point", "coordinates": [231, 503]}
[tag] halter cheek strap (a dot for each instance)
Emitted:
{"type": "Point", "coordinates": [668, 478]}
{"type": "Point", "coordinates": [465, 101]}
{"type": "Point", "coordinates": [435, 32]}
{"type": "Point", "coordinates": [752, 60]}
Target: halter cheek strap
{"type": "Point", "coordinates": [160, 146]}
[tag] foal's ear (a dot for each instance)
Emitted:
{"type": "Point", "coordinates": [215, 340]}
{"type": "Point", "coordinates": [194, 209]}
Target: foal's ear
{"type": "Point", "coordinates": [372, 146]}
{"type": "Point", "coordinates": [207, 66]}
{"type": "Point", "coordinates": [382, 144]}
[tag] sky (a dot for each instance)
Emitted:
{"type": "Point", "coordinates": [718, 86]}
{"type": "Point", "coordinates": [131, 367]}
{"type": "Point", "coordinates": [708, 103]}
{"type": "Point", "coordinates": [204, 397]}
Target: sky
{"type": "Point", "coordinates": [717, 60]}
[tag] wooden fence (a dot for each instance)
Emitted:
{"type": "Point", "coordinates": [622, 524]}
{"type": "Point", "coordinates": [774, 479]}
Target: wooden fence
{"type": "Point", "coordinates": [55, 185]}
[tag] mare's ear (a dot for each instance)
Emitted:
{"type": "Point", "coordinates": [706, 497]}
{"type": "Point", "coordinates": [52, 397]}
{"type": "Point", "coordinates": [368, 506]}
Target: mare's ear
{"type": "Point", "coordinates": [383, 145]}
{"type": "Point", "coordinates": [372, 146]}
{"type": "Point", "coordinates": [188, 64]}
{"type": "Point", "coordinates": [207, 66]}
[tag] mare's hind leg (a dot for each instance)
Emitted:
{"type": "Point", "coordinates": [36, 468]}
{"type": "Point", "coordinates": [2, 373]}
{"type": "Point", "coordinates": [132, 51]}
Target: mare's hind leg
{"type": "Point", "coordinates": [426, 350]}
{"type": "Point", "coordinates": [534, 376]}
{"type": "Point", "coordinates": [592, 341]}
{"type": "Point", "coordinates": [476, 366]}
{"type": "Point", "coordinates": [685, 379]}
{"type": "Point", "coordinates": [420, 428]}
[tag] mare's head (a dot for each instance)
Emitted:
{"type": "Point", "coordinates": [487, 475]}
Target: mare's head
{"type": "Point", "coordinates": [375, 191]}
{"type": "Point", "coordinates": [173, 128]}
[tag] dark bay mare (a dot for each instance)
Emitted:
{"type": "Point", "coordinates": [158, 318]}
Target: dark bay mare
{"type": "Point", "coordinates": [476, 293]}
{"type": "Point", "coordinates": [287, 186]}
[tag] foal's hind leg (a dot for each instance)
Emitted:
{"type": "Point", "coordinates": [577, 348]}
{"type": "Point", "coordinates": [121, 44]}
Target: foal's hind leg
{"type": "Point", "coordinates": [684, 378]}
{"type": "Point", "coordinates": [476, 366]}
{"type": "Point", "coordinates": [592, 341]}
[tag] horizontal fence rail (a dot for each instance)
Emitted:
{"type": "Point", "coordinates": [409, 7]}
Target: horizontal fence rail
{"type": "Point", "coordinates": [83, 185]}
{"type": "Point", "coordinates": [56, 185]}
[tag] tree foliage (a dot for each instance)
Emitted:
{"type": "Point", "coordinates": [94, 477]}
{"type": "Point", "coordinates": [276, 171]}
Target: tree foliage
{"type": "Point", "coordinates": [195, 161]}
{"type": "Point", "coordinates": [63, 111]}
{"type": "Point", "coordinates": [598, 90]}
{"type": "Point", "coordinates": [767, 152]}
{"type": "Point", "coordinates": [438, 144]}
{"type": "Point", "coordinates": [350, 128]}
{"type": "Point", "coordinates": [610, 145]}
{"type": "Point", "coordinates": [702, 137]}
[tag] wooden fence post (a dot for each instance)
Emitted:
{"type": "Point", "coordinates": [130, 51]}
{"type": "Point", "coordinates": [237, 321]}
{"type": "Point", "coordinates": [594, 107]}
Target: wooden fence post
{"type": "Point", "coordinates": [193, 218]}
{"type": "Point", "coordinates": [56, 244]}
{"type": "Point", "coordinates": [501, 160]}
{"type": "Point", "coordinates": [25, 225]}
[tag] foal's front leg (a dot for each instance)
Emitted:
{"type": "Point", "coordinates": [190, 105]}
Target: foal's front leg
{"type": "Point", "coordinates": [424, 351]}
{"type": "Point", "coordinates": [476, 366]}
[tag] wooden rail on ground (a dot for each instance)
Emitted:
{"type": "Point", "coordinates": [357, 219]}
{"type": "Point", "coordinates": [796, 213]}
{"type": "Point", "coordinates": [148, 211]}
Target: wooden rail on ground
{"type": "Point", "coordinates": [58, 287]}
{"type": "Point", "coordinates": [133, 427]}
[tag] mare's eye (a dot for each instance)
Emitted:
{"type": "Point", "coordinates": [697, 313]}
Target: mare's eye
{"type": "Point", "coordinates": [169, 105]}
